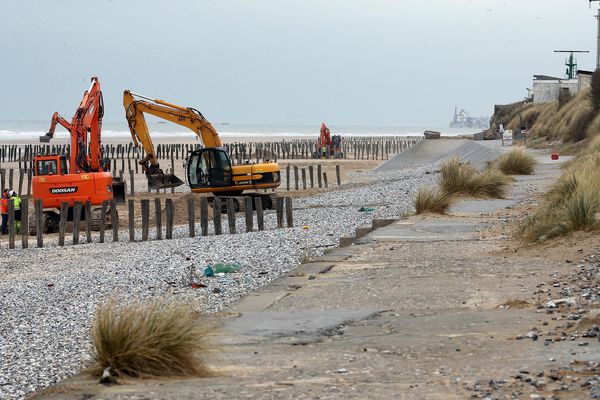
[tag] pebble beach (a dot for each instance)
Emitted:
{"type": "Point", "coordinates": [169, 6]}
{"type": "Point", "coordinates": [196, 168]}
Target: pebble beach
{"type": "Point", "coordinates": [48, 296]}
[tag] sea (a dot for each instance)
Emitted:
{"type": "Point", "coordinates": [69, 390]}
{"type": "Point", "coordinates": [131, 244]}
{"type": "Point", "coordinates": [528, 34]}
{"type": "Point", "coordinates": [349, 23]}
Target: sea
{"type": "Point", "coordinates": [26, 130]}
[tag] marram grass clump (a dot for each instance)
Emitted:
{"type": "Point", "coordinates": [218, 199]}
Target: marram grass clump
{"type": "Point", "coordinates": [159, 338]}
{"type": "Point", "coordinates": [516, 162]}
{"type": "Point", "coordinates": [572, 203]}
{"type": "Point", "coordinates": [458, 178]}
{"type": "Point", "coordinates": [432, 200]}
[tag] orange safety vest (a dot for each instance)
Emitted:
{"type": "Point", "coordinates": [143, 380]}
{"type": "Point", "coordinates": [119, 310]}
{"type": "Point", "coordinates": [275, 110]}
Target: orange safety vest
{"type": "Point", "coordinates": [4, 205]}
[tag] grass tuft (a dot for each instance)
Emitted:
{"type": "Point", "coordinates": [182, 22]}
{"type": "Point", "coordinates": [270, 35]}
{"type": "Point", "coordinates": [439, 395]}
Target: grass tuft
{"type": "Point", "coordinates": [516, 162]}
{"type": "Point", "coordinates": [150, 339]}
{"type": "Point", "coordinates": [571, 204]}
{"type": "Point", "coordinates": [430, 200]}
{"type": "Point", "coordinates": [492, 183]}
{"type": "Point", "coordinates": [581, 209]}
{"type": "Point", "coordinates": [456, 177]}
{"type": "Point", "coordinates": [459, 178]}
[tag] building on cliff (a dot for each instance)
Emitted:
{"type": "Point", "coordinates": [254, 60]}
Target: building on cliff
{"type": "Point", "coordinates": [547, 88]}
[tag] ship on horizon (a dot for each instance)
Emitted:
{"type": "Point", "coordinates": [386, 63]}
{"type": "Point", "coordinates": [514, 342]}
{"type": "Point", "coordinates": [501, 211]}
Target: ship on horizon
{"type": "Point", "coordinates": [462, 119]}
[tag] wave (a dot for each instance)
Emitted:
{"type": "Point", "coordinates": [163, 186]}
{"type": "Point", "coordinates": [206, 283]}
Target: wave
{"type": "Point", "coordinates": [34, 134]}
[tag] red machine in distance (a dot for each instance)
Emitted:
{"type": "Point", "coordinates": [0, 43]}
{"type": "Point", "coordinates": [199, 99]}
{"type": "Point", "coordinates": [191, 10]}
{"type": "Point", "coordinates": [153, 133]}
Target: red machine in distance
{"type": "Point", "coordinates": [328, 146]}
{"type": "Point", "coordinates": [87, 177]}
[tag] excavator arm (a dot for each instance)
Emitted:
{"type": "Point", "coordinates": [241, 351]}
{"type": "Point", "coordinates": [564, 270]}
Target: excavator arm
{"type": "Point", "coordinates": [137, 105]}
{"type": "Point", "coordinates": [187, 117]}
{"type": "Point", "coordinates": [84, 128]}
{"type": "Point", "coordinates": [56, 119]}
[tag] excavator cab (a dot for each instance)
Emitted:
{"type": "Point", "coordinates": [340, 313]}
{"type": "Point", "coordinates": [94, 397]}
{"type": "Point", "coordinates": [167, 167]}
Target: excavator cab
{"type": "Point", "coordinates": [210, 167]}
{"type": "Point", "coordinates": [50, 165]}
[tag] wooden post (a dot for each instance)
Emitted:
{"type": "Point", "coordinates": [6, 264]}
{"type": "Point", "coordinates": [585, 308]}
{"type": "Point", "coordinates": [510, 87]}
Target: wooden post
{"type": "Point", "coordinates": [158, 218]}
{"type": "Point", "coordinates": [303, 178]}
{"type": "Point", "coordinates": [29, 175]}
{"type": "Point", "coordinates": [25, 223]}
{"type": "Point", "coordinates": [217, 215]}
{"type": "Point", "coordinates": [11, 173]}
{"type": "Point", "coordinates": [231, 215]}
{"type": "Point", "coordinates": [319, 176]}
{"type": "Point", "coordinates": [77, 206]}
{"type": "Point", "coordinates": [173, 170]}
{"type": "Point", "coordinates": [131, 215]}
{"type": "Point", "coordinates": [338, 174]}
{"type": "Point", "coordinates": [287, 178]}
{"type": "Point", "coordinates": [289, 212]}
{"type": "Point", "coordinates": [88, 221]}
{"type": "Point", "coordinates": [114, 220]}
{"type": "Point", "coordinates": [191, 218]}
{"type": "Point", "coordinates": [279, 211]}
{"type": "Point", "coordinates": [296, 177]}
{"type": "Point", "coordinates": [260, 220]}
{"type": "Point", "coordinates": [21, 177]}
{"type": "Point", "coordinates": [3, 179]}
{"type": "Point", "coordinates": [11, 223]}
{"type": "Point", "coordinates": [145, 204]}
{"type": "Point", "coordinates": [204, 216]}
{"type": "Point", "coordinates": [311, 175]}
{"type": "Point", "coordinates": [248, 213]}
{"type": "Point", "coordinates": [325, 180]}
{"type": "Point", "coordinates": [131, 183]}
{"type": "Point", "coordinates": [170, 213]}
{"type": "Point", "coordinates": [62, 222]}
{"type": "Point", "coordinates": [103, 211]}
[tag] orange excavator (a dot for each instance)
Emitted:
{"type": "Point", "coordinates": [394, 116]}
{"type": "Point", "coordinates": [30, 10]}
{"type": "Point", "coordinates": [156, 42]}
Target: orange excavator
{"type": "Point", "coordinates": [87, 177]}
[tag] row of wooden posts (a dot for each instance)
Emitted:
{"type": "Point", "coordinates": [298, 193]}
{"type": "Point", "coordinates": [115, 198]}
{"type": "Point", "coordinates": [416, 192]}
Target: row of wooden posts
{"type": "Point", "coordinates": [7, 178]}
{"type": "Point", "coordinates": [300, 173]}
{"type": "Point", "coordinates": [11, 177]}
{"type": "Point", "coordinates": [376, 148]}
{"type": "Point", "coordinates": [283, 208]}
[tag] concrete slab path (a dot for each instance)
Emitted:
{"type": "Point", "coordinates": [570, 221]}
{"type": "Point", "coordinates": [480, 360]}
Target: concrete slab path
{"type": "Point", "coordinates": [414, 310]}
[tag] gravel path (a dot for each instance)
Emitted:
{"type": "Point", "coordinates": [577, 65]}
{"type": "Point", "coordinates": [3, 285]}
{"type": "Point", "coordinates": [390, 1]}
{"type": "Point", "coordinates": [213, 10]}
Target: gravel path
{"type": "Point", "coordinates": [48, 296]}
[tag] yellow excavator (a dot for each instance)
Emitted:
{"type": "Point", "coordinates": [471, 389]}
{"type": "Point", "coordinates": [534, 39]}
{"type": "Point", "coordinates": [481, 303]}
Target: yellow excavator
{"type": "Point", "coordinates": [209, 170]}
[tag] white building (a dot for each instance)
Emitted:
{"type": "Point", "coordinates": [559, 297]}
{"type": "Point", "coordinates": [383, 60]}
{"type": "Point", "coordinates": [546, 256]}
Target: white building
{"type": "Point", "coordinates": [546, 88]}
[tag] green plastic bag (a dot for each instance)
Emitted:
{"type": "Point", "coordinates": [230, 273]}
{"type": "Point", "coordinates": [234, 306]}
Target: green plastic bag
{"type": "Point", "coordinates": [226, 268]}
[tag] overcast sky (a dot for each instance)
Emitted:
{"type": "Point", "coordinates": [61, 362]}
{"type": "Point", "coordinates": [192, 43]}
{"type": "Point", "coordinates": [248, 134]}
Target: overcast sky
{"type": "Point", "coordinates": [348, 62]}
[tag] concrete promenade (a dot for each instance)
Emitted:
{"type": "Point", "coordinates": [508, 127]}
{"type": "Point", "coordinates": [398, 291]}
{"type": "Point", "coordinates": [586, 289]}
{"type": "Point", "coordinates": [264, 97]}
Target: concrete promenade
{"type": "Point", "coordinates": [429, 307]}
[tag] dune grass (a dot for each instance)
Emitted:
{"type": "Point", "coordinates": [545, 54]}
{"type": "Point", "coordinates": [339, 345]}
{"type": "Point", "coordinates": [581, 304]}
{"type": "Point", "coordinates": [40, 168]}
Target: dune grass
{"type": "Point", "coordinates": [160, 338]}
{"type": "Point", "coordinates": [432, 200]}
{"type": "Point", "coordinates": [572, 203]}
{"type": "Point", "coordinates": [458, 178]}
{"type": "Point", "coordinates": [516, 162]}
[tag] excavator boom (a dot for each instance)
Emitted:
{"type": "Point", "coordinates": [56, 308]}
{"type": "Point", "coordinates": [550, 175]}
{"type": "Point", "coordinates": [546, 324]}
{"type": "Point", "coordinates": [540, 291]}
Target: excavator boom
{"type": "Point", "coordinates": [188, 117]}
{"type": "Point", "coordinates": [209, 170]}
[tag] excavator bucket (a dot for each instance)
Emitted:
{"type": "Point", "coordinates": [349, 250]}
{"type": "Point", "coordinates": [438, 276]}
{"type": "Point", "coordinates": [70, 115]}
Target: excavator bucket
{"type": "Point", "coordinates": [118, 187]}
{"type": "Point", "coordinates": [163, 181]}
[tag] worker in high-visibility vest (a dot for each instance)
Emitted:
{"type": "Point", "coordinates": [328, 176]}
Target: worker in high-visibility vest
{"type": "Point", "coordinates": [4, 210]}
{"type": "Point", "coordinates": [14, 197]}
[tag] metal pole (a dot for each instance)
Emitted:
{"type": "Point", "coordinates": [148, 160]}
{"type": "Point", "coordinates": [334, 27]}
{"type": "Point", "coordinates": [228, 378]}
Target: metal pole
{"type": "Point", "coordinates": [598, 41]}
{"type": "Point", "coordinates": [597, 36]}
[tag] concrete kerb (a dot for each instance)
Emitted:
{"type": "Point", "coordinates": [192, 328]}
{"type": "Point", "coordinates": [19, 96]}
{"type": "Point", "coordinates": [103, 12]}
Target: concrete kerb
{"type": "Point", "coordinates": [346, 241]}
